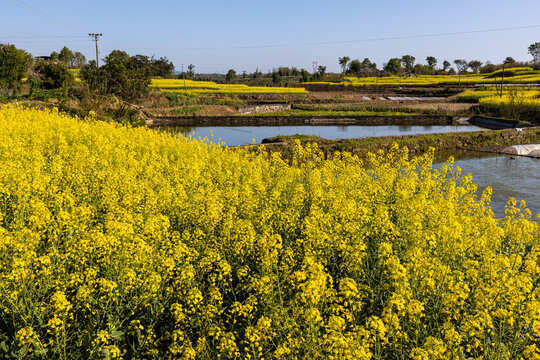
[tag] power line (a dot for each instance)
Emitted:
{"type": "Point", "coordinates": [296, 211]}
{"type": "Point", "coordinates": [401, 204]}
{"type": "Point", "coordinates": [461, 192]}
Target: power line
{"type": "Point", "coordinates": [43, 37]}
{"type": "Point", "coordinates": [350, 41]}
{"type": "Point", "coordinates": [42, 14]}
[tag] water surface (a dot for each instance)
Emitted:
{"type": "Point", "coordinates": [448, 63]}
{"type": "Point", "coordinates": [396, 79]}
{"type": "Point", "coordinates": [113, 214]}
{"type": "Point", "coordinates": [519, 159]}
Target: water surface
{"type": "Point", "coordinates": [517, 177]}
{"type": "Point", "coordinates": [244, 135]}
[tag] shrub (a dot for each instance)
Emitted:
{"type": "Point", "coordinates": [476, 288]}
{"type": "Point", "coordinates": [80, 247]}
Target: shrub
{"type": "Point", "coordinates": [55, 75]}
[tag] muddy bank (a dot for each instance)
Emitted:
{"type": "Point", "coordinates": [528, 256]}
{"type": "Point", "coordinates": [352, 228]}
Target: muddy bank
{"type": "Point", "coordinates": [372, 120]}
{"type": "Point", "coordinates": [444, 143]}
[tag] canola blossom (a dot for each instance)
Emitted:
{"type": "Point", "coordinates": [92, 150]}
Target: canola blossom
{"type": "Point", "coordinates": [524, 98]}
{"type": "Point", "coordinates": [120, 242]}
{"type": "Point", "coordinates": [513, 76]}
{"type": "Point", "coordinates": [210, 87]}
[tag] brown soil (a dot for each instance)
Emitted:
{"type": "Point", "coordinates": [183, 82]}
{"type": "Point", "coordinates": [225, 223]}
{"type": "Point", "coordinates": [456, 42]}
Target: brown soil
{"type": "Point", "coordinates": [340, 96]}
{"type": "Point", "coordinates": [218, 110]}
{"type": "Point", "coordinates": [447, 107]}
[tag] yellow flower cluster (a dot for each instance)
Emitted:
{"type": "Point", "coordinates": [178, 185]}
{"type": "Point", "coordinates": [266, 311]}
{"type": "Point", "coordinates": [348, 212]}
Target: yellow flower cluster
{"type": "Point", "coordinates": [519, 99]}
{"type": "Point", "coordinates": [210, 87]}
{"type": "Point", "coordinates": [126, 243]}
{"type": "Point", "coordinates": [525, 93]}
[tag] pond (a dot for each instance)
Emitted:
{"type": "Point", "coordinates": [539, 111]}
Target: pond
{"type": "Point", "coordinates": [517, 177]}
{"type": "Point", "coordinates": [244, 135]}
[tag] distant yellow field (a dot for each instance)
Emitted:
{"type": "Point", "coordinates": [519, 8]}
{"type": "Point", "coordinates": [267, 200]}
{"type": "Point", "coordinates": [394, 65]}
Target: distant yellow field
{"type": "Point", "coordinates": [526, 97]}
{"type": "Point", "coordinates": [512, 76]}
{"type": "Point", "coordinates": [210, 87]}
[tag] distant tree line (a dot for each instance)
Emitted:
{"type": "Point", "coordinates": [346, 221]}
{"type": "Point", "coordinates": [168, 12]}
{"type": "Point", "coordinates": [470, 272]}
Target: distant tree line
{"type": "Point", "coordinates": [127, 77]}
{"type": "Point", "coordinates": [406, 65]}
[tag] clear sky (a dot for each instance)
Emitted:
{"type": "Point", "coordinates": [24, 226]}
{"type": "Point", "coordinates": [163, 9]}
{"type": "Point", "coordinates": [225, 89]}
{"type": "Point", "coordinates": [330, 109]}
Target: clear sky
{"type": "Point", "coordinates": [247, 34]}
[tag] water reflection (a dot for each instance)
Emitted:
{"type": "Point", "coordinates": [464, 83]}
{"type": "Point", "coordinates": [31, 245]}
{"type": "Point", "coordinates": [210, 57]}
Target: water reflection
{"type": "Point", "coordinates": [244, 135]}
{"type": "Point", "coordinates": [517, 177]}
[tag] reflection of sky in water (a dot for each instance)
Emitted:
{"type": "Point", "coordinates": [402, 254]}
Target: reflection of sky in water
{"type": "Point", "coordinates": [243, 135]}
{"type": "Point", "coordinates": [518, 178]}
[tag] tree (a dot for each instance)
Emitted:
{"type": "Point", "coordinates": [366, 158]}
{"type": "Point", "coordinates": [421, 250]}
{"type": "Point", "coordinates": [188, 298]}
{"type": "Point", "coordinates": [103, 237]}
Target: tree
{"type": "Point", "coordinates": [128, 78]}
{"type": "Point", "coordinates": [534, 50]}
{"type": "Point", "coordinates": [191, 71]}
{"type": "Point", "coordinates": [355, 67]}
{"type": "Point", "coordinates": [66, 56]}
{"type": "Point", "coordinates": [276, 78]}
{"type": "Point", "coordinates": [304, 75]}
{"type": "Point", "coordinates": [431, 62]}
{"type": "Point", "coordinates": [231, 74]}
{"type": "Point", "coordinates": [393, 66]}
{"type": "Point", "coordinates": [446, 65]}
{"type": "Point", "coordinates": [55, 75]}
{"type": "Point", "coordinates": [461, 65]}
{"type": "Point", "coordinates": [321, 70]}
{"type": "Point", "coordinates": [124, 78]}
{"type": "Point", "coordinates": [488, 68]}
{"type": "Point", "coordinates": [509, 60]}
{"type": "Point", "coordinates": [162, 67]}
{"type": "Point", "coordinates": [257, 74]}
{"type": "Point", "coordinates": [408, 62]}
{"type": "Point", "coordinates": [14, 65]}
{"type": "Point", "coordinates": [368, 67]}
{"type": "Point", "coordinates": [79, 60]}
{"type": "Point", "coordinates": [343, 61]}
{"type": "Point", "coordinates": [475, 65]}
{"type": "Point", "coordinates": [423, 70]}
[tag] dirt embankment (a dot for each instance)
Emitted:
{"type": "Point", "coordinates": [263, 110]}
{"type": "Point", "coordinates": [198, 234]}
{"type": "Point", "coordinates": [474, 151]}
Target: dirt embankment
{"type": "Point", "coordinates": [193, 121]}
{"type": "Point", "coordinates": [485, 141]}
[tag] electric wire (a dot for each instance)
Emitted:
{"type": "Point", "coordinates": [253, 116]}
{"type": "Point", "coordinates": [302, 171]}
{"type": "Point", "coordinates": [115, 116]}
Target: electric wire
{"type": "Point", "coordinates": [42, 14]}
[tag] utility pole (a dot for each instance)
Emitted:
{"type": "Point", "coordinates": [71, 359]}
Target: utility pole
{"type": "Point", "coordinates": [96, 38]}
{"type": "Point", "coordinates": [184, 77]}
{"type": "Point", "coordinates": [502, 81]}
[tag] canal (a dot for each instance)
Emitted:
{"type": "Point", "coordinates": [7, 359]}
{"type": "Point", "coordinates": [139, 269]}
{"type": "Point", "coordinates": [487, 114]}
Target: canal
{"type": "Point", "coordinates": [245, 135]}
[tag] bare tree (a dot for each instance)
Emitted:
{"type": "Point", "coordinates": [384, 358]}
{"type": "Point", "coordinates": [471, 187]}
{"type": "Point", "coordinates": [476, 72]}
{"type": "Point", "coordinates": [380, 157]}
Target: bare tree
{"type": "Point", "coordinates": [462, 66]}
{"type": "Point", "coordinates": [343, 61]}
{"type": "Point", "coordinates": [534, 50]}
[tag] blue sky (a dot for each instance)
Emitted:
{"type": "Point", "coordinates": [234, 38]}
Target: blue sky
{"type": "Point", "coordinates": [244, 35]}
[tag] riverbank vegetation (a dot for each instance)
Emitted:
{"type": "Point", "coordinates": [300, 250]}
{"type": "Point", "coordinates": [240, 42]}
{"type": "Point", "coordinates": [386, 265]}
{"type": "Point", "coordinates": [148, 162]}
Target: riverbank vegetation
{"type": "Point", "coordinates": [518, 103]}
{"type": "Point", "coordinates": [122, 242]}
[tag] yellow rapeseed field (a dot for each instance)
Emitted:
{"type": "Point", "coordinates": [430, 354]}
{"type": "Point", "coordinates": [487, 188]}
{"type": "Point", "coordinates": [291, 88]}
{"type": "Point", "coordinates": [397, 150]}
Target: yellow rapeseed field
{"type": "Point", "coordinates": [210, 87]}
{"type": "Point", "coordinates": [517, 97]}
{"type": "Point", "coordinates": [513, 76]}
{"type": "Point", "coordinates": [118, 242]}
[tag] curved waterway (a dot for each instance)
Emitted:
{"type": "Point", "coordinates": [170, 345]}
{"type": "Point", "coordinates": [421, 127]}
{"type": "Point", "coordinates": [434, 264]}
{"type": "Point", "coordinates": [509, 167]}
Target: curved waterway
{"type": "Point", "coordinates": [245, 135]}
{"type": "Point", "coordinates": [517, 177]}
